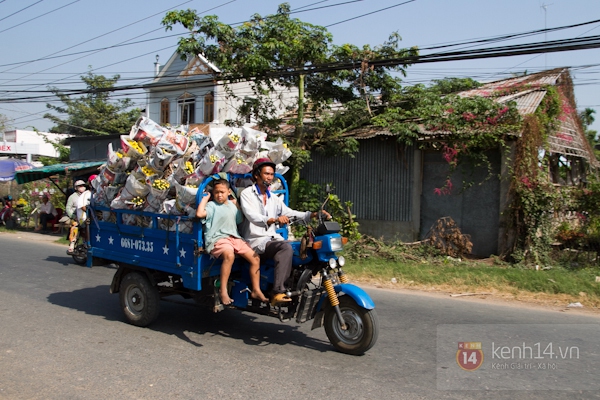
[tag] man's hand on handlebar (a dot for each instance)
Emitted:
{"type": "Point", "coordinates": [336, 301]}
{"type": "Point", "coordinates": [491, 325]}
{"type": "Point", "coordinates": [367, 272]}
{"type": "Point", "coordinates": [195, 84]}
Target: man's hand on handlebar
{"type": "Point", "coordinates": [324, 214]}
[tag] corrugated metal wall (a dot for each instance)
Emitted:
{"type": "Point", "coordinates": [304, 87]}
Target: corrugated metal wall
{"type": "Point", "coordinates": [93, 148]}
{"type": "Point", "coordinates": [378, 181]}
{"type": "Point", "coordinates": [475, 209]}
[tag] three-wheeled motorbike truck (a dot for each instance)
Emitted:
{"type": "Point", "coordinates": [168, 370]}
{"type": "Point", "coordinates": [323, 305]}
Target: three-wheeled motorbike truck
{"type": "Point", "coordinates": [158, 259]}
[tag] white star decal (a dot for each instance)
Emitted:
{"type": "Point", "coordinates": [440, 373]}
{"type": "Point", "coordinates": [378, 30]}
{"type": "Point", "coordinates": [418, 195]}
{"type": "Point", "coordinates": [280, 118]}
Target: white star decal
{"type": "Point", "coordinates": [165, 249]}
{"type": "Point", "coordinates": [111, 240]}
{"type": "Point", "coordinates": [97, 237]}
{"type": "Point", "coordinates": [182, 253]}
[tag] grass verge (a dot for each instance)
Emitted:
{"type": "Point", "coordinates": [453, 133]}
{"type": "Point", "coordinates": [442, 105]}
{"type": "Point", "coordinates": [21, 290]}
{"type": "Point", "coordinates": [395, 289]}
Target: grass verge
{"type": "Point", "coordinates": [556, 286]}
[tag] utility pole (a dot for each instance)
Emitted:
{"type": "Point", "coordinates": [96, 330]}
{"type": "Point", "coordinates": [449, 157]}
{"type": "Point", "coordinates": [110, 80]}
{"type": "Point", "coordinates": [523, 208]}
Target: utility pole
{"type": "Point", "coordinates": [545, 7]}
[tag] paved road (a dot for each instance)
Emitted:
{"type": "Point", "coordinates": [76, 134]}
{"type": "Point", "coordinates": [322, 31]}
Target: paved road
{"type": "Point", "coordinates": [62, 336]}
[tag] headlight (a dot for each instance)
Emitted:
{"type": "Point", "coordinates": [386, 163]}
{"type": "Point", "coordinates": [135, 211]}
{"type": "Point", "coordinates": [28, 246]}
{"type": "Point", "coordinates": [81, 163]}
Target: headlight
{"type": "Point", "coordinates": [332, 263]}
{"type": "Point", "coordinates": [336, 243]}
{"type": "Point", "coordinates": [341, 261]}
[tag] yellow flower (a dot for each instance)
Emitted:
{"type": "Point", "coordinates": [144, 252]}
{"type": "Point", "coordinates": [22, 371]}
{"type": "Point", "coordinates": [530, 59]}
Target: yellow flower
{"type": "Point", "coordinates": [213, 158]}
{"type": "Point", "coordinates": [135, 145]}
{"type": "Point", "coordinates": [189, 167]}
{"type": "Point", "coordinates": [192, 186]}
{"type": "Point", "coordinates": [160, 184]}
{"type": "Point", "coordinates": [148, 171]}
{"type": "Point", "coordinates": [137, 201]}
{"type": "Point", "coordinates": [235, 138]}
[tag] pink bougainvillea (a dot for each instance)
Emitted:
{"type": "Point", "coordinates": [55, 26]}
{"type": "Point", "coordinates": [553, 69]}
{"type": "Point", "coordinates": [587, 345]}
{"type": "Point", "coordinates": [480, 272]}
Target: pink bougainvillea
{"type": "Point", "coordinates": [450, 154]}
{"type": "Point", "coordinates": [566, 109]}
{"type": "Point", "coordinates": [525, 180]}
{"type": "Point", "coordinates": [492, 120]}
{"type": "Point", "coordinates": [446, 189]}
{"type": "Point", "coordinates": [467, 116]}
{"type": "Point", "coordinates": [565, 137]}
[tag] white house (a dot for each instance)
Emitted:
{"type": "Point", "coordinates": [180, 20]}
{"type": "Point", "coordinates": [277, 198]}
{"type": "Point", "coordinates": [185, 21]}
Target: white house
{"type": "Point", "coordinates": [190, 92]}
{"type": "Point", "coordinates": [30, 144]}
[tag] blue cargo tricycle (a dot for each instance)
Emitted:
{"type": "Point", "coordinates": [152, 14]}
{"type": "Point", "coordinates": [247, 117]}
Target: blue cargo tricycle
{"type": "Point", "coordinates": [158, 259]}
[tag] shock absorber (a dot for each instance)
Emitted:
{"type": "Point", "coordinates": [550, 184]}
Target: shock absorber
{"type": "Point", "coordinates": [333, 299]}
{"type": "Point", "coordinates": [342, 276]}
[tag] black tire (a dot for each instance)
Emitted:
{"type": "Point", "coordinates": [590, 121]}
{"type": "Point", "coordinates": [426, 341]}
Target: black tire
{"type": "Point", "coordinates": [17, 219]}
{"type": "Point", "coordinates": [77, 257]}
{"type": "Point", "coordinates": [362, 327]}
{"type": "Point", "coordinates": [139, 299]}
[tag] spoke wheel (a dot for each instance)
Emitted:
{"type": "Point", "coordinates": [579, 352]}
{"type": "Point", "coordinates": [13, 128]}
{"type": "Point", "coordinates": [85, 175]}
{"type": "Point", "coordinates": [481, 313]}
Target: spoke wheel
{"type": "Point", "coordinates": [362, 327]}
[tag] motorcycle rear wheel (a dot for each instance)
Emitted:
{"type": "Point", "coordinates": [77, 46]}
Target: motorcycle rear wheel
{"type": "Point", "coordinates": [362, 327]}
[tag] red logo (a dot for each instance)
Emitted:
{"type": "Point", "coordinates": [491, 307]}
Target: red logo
{"type": "Point", "coordinates": [469, 355]}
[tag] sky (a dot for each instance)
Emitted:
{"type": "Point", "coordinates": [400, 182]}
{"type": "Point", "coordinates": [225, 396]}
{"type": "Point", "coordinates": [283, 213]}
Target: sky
{"type": "Point", "coordinates": [54, 42]}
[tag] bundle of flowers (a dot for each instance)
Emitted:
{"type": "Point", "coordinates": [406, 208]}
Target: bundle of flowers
{"type": "Point", "coordinates": [159, 169]}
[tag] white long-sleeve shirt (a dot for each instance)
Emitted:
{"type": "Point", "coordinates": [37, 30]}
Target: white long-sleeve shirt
{"type": "Point", "coordinates": [255, 228]}
{"type": "Point", "coordinates": [47, 208]}
{"type": "Point", "coordinates": [83, 201]}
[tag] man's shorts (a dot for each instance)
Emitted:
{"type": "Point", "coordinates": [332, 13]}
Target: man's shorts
{"type": "Point", "coordinates": [237, 245]}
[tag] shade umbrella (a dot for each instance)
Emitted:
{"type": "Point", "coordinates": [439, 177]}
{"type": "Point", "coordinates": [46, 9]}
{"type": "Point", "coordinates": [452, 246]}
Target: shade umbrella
{"type": "Point", "coordinates": [9, 166]}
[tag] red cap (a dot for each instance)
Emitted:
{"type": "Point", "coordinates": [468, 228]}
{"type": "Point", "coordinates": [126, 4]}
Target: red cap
{"type": "Point", "coordinates": [92, 177]}
{"type": "Point", "coordinates": [262, 161]}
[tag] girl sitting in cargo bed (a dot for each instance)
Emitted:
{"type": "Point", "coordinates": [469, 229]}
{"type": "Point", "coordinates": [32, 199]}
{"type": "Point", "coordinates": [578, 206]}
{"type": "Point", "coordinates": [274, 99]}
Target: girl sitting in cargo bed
{"type": "Point", "coordinates": [221, 217]}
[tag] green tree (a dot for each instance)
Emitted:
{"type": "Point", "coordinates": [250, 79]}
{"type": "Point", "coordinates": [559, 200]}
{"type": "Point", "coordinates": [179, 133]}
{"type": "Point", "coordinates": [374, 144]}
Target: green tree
{"type": "Point", "coordinates": [271, 52]}
{"type": "Point", "coordinates": [587, 118]}
{"type": "Point", "coordinates": [94, 113]}
{"type": "Point", "coordinates": [3, 123]}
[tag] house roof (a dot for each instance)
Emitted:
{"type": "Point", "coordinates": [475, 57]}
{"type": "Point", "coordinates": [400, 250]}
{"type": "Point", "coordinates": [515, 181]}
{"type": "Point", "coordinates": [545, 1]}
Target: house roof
{"type": "Point", "coordinates": [177, 71]}
{"type": "Point", "coordinates": [527, 92]}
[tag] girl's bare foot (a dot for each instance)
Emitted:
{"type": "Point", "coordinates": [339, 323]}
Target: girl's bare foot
{"type": "Point", "coordinates": [258, 295]}
{"type": "Point", "coordinates": [225, 299]}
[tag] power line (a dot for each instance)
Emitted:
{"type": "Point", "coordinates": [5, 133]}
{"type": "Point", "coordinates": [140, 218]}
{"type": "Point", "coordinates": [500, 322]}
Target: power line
{"type": "Point", "coordinates": [231, 1]}
{"type": "Point", "coordinates": [373, 12]}
{"type": "Point", "coordinates": [109, 32]}
{"type": "Point", "coordinates": [22, 9]}
{"type": "Point", "coordinates": [39, 16]}
{"type": "Point", "coordinates": [493, 52]}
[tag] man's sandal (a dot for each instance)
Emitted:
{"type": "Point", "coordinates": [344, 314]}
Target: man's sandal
{"type": "Point", "coordinates": [279, 298]}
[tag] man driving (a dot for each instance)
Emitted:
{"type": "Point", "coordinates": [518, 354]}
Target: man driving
{"type": "Point", "coordinates": [263, 212]}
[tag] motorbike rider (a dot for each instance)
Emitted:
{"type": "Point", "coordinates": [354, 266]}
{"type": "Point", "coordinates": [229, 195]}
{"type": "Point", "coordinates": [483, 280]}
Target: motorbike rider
{"type": "Point", "coordinates": [264, 212]}
{"type": "Point", "coordinates": [71, 211]}
{"type": "Point", "coordinates": [83, 201]}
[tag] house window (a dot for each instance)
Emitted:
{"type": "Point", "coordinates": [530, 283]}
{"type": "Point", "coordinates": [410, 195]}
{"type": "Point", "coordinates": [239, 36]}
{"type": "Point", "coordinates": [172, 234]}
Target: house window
{"type": "Point", "coordinates": [187, 106]}
{"type": "Point", "coordinates": [209, 108]}
{"type": "Point", "coordinates": [164, 112]}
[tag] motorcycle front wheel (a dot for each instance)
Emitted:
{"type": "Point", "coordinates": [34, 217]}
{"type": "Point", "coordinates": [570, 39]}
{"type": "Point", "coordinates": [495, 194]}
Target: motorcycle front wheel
{"type": "Point", "coordinates": [362, 327]}
{"type": "Point", "coordinates": [80, 254]}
